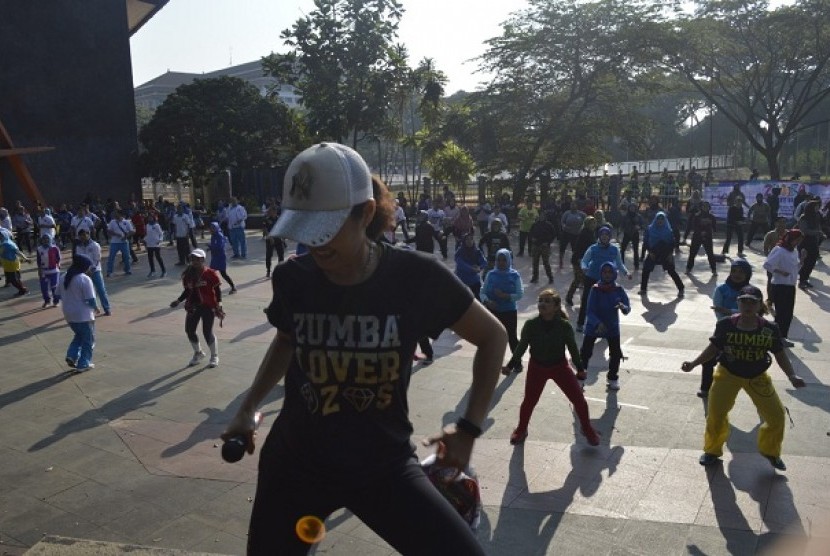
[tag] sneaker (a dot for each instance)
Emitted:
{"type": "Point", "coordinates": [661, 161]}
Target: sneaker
{"type": "Point", "coordinates": [703, 394]}
{"type": "Point", "coordinates": [505, 370]}
{"type": "Point", "coordinates": [688, 271]}
{"type": "Point", "coordinates": [107, 313]}
{"type": "Point", "coordinates": [613, 384]}
{"type": "Point", "coordinates": [534, 280]}
{"type": "Point", "coordinates": [569, 301]}
{"type": "Point", "coordinates": [22, 292]}
{"type": "Point", "coordinates": [642, 292]}
{"type": "Point", "coordinates": [214, 361]}
{"type": "Point", "coordinates": [56, 302]}
{"type": "Point", "coordinates": [592, 436]}
{"type": "Point", "coordinates": [786, 343]}
{"type": "Point", "coordinates": [550, 279]}
{"type": "Point", "coordinates": [108, 274]}
{"type": "Point", "coordinates": [71, 362]}
{"type": "Point", "coordinates": [86, 367]}
{"type": "Point", "coordinates": [518, 437]}
{"type": "Point", "coordinates": [708, 459]}
{"type": "Point", "coordinates": [777, 462]}
{"type": "Point", "coordinates": [45, 305]}
{"type": "Point", "coordinates": [268, 273]}
{"type": "Point", "coordinates": [151, 275]}
{"type": "Point", "coordinates": [681, 292]}
{"type": "Point", "coordinates": [233, 291]}
{"type": "Point", "coordinates": [198, 356]}
{"type": "Point", "coordinates": [163, 273]}
{"type": "Point", "coordinates": [428, 361]}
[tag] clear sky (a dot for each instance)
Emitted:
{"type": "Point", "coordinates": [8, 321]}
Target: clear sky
{"type": "Point", "coordinates": [206, 35]}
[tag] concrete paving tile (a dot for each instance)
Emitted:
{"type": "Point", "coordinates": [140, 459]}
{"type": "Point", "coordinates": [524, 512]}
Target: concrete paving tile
{"type": "Point", "coordinates": [670, 499]}
{"type": "Point", "coordinates": [182, 532]}
{"type": "Point", "coordinates": [649, 537]}
{"type": "Point", "coordinates": [723, 540]}
{"type": "Point", "coordinates": [220, 542]}
{"type": "Point", "coordinates": [52, 481]}
{"type": "Point", "coordinates": [96, 502]}
{"type": "Point", "coordinates": [140, 520]}
{"type": "Point", "coordinates": [27, 522]}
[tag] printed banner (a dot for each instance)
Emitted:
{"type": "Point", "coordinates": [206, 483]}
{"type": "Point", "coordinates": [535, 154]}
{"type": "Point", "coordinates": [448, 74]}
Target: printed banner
{"type": "Point", "coordinates": [717, 194]}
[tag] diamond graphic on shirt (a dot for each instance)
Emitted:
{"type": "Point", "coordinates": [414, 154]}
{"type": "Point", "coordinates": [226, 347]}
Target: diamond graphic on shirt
{"type": "Point", "coordinates": [311, 399]}
{"type": "Point", "coordinates": [360, 398]}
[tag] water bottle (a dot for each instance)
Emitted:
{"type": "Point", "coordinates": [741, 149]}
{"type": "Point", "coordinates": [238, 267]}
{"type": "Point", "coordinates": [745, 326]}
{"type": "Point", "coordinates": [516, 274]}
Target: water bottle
{"type": "Point", "coordinates": [234, 448]}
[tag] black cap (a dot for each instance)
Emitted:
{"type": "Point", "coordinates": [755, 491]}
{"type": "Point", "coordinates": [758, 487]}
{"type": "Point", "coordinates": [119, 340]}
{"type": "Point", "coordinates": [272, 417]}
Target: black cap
{"type": "Point", "coordinates": [751, 292]}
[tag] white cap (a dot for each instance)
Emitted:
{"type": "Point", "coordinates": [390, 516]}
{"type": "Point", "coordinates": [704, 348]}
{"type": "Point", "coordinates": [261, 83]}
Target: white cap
{"type": "Point", "coordinates": [321, 186]}
{"type": "Point", "coordinates": [198, 253]}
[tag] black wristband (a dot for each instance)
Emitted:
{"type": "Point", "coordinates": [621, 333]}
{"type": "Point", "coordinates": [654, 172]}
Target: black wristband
{"type": "Point", "coordinates": [468, 427]}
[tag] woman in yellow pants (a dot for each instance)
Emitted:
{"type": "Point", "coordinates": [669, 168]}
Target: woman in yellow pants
{"type": "Point", "coordinates": [745, 342]}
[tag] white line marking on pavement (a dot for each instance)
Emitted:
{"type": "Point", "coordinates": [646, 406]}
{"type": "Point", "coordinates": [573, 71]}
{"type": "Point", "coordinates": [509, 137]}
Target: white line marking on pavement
{"type": "Point", "coordinates": [618, 403]}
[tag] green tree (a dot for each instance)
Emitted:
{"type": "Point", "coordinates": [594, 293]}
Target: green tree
{"type": "Point", "coordinates": [565, 77]}
{"type": "Point", "coordinates": [452, 165]}
{"type": "Point", "coordinates": [212, 124]}
{"type": "Point", "coordinates": [341, 63]}
{"type": "Point", "coordinates": [765, 71]}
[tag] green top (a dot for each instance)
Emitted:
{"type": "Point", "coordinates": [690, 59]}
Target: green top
{"type": "Point", "coordinates": [547, 341]}
{"type": "Point", "coordinates": [527, 216]}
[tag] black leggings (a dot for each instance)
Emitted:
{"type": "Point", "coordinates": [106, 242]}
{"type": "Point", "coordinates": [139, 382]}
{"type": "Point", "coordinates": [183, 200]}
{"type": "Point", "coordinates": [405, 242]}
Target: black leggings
{"type": "Point", "coordinates": [784, 296]}
{"type": "Point", "coordinates": [154, 254]}
{"type": "Point", "coordinates": [510, 320]}
{"type": "Point", "coordinates": [697, 243]}
{"type": "Point", "coordinates": [191, 321]}
{"type": "Point", "coordinates": [271, 245]}
{"type": "Point", "coordinates": [667, 262]}
{"type": "Point", "coordinates": [399, 504]}
{"type": "Point", "coordinates": [615, 354]}
{"type": "Point", "coordinates": [227, 278]}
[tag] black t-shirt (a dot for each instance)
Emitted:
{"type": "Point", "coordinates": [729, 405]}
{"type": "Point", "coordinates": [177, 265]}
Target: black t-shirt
{"type": "Point", "coordinates": [345, 409]}
{"type": "Point", "coordinates": [745, 353]}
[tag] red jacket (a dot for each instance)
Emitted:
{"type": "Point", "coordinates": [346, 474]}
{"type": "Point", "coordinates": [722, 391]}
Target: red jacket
{"type": "Point", "coordinates": [202, 291]}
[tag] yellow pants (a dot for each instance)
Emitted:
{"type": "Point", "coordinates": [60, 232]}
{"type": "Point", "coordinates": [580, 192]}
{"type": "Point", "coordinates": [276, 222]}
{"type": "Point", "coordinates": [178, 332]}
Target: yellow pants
{"type": "Point", "coordinates": [722, 394]}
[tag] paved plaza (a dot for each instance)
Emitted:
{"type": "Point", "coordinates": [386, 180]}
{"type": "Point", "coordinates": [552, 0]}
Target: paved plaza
{"type": "Point", "coordinates": [128, 453]}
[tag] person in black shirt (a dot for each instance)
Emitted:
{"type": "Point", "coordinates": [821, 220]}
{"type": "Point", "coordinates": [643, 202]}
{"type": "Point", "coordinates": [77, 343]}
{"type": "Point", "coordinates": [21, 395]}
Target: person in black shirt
{"type": "Point", "coordinates": [743, 343]}
{"type": "Point", "coordinates": [735, 224]}
{"type": "Point", "coordinates": [541, 234]}
{"type": "Point", "coordinates": [348, 316]}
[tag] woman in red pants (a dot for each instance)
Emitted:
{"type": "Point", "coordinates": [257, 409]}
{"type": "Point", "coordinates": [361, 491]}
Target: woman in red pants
{"type": "Point", "coordinates": [548, 335]}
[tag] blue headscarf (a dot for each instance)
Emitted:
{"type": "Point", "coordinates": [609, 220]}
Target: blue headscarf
{"type": "Point", "coordinates": [80, 264]}
{"type": "Point", "coordinates": [660, 234]}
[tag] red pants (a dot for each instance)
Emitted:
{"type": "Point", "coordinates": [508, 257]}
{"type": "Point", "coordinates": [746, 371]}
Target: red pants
{"type": "Point", "coordinates": [564, 377]}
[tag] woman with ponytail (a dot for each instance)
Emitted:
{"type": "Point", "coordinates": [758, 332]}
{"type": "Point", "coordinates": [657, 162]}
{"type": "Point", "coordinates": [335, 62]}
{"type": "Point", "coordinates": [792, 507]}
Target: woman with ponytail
{"type": "Point", "coordinates": [548, 335]}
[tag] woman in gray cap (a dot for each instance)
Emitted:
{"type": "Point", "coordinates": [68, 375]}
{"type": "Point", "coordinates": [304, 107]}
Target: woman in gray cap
{"type": "Point", "coordinates": [348, 316]}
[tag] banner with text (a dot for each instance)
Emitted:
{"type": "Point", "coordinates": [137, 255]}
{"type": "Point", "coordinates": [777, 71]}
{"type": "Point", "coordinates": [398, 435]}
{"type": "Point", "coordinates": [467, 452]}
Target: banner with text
{"type": "Point", "coordinates": [717, 194]}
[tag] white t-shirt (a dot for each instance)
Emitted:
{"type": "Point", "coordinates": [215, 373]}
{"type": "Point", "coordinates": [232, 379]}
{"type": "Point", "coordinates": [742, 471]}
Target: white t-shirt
{"type": "Point", "coordinates": [83, 223]}
{"type": "Point", "coordinates": [47, 225]}
{"type": "Point", "coordinates": [92, 250]}
{"type": "Point", "coordinates": [119, 230]}
{"type": "Point", "coordinates": [73, 298]}
{"type": "Point", "coordinates": [154, 235]}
